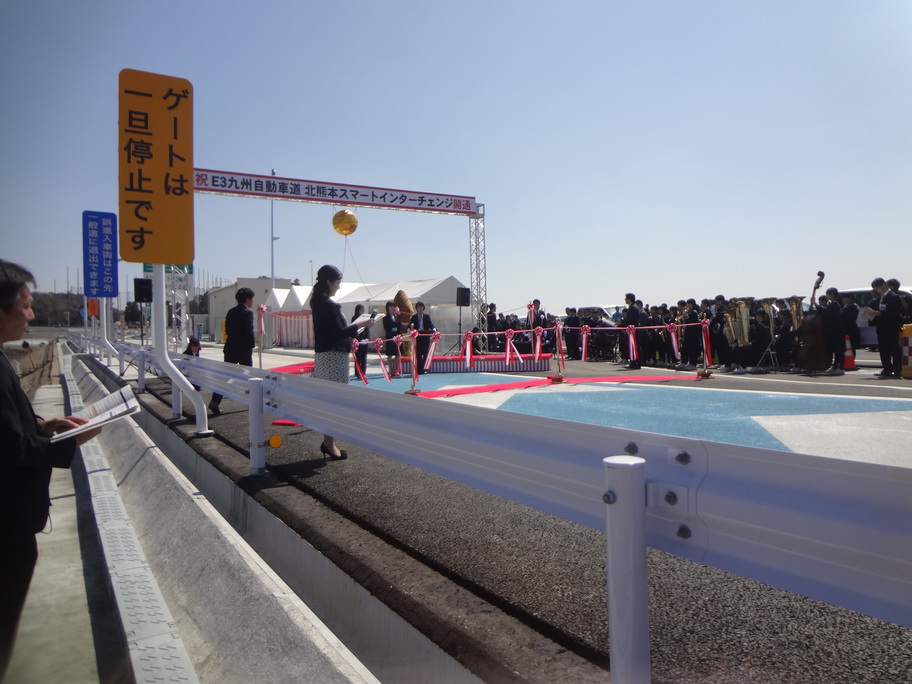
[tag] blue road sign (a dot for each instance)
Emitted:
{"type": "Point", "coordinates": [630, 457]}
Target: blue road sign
{"type": "Point", "coordinates": [99, 253]}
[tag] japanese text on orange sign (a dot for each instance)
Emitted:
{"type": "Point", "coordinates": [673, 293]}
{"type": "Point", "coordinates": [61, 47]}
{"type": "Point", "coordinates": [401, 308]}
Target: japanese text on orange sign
{"type": "Point", "coordinates": [155, 155]}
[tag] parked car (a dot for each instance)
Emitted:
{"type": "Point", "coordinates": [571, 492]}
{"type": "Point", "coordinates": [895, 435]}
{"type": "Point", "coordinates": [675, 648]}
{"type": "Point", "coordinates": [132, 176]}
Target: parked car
{"type": "Point", "coordinates": [598, 313]}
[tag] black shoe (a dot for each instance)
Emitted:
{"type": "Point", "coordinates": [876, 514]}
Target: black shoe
{"type": "Point", "coordinates": [883, 375]}
{"type": "Point", "coordinates": [343, 454]}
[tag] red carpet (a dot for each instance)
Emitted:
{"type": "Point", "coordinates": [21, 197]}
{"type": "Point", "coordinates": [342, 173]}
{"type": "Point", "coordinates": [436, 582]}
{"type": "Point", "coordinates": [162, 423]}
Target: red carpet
{"type": "Point", "coordinates": [541, 382]}
{"type": "Point", "coordinates": [302, 368]}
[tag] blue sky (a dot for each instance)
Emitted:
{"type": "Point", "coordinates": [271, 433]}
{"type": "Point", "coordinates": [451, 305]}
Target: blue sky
{"type": "Point", "coordinates": [674, 149]}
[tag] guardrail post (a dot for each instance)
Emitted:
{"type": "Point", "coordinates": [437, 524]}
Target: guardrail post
{"type": "Point", "coordinates": [628, 598]}
{"type": "Point", "coordinates": [122, 357]}
{"type": "Point", "coordinates": [141, 371]}
{"type": "Point", "coordinates": [257, 429]}
{"type": "Point", "coordinates": [176, 401]}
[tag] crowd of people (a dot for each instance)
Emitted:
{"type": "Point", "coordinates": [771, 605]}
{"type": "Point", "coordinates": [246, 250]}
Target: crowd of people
{"type": "Point", "coordinates": [742, 334]}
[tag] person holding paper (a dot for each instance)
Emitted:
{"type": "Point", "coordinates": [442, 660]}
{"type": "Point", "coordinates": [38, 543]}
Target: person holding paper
{"type": "Point", "coordinates": [362, 336]}
{"type": "Point", "coordinates": [26, 458]}
{"type": "Point", "coordinates": [423, 324]}
{"type": "Point", "coordinates": [241, 340]}
{"type": "Point", "coordinates": [332, 339]}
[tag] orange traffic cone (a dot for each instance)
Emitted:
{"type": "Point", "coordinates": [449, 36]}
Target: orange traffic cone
{"type": "Point", "coordinates": [849, 363]}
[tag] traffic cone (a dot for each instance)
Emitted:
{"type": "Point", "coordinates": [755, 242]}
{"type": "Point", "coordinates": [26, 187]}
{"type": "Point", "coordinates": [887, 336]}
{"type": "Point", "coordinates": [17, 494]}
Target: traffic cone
{"type": "Point", "coordinates": [849, 363]}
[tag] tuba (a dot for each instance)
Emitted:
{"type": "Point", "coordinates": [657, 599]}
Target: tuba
{"type": "Point", "coordinates": [767, 305]}
{"type": "Point", "coordinates": [794, 303]}
{"type": "Point", "coordinates": [730, 330]}
{"type": "Point", "coordinates": [743, 321]}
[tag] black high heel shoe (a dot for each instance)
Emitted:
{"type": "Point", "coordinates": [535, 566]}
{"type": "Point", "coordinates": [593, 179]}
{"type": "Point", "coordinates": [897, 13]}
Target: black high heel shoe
{"type": "Point", "coordinates": [343, 454]}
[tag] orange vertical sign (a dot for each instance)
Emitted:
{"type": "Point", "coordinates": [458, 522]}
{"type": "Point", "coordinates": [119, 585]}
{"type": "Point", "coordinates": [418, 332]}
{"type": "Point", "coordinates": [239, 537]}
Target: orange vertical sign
{"type": "Point", "coordinates": [155, 122]}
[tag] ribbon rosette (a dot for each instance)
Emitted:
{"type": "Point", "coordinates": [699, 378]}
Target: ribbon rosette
{"type": "Point", "coordinates": [510, 348]}
{"type": "Point", "coordinates": [468, 347]}
{"type": "Point", "coordinates": [586, 331]}
{"type": "Point", "coordinates": [354, 348]}
{"type": "Point", "coordinates": [378, 345]}
{"type": "Point", "coordinates": [435, 338]}
{"type": "Point", "coordinates": [632, 343]}
{"type": "Point", "coordinates": [672, 329]}
{"type": "Point", "coordinates": [538, 342]}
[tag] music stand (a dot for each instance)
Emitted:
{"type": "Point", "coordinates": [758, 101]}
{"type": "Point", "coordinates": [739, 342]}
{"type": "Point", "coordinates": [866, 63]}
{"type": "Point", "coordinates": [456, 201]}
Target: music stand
{"type": "Point", "coordinates": [459, 341]}
{"type": "Point", "coordinates": [770, 353]}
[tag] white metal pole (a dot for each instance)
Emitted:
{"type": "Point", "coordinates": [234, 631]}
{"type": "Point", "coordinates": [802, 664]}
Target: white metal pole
{"type": "Point", "coordinates": [628, 598]}
{"type": "Point", "coordinates": [160, 341]}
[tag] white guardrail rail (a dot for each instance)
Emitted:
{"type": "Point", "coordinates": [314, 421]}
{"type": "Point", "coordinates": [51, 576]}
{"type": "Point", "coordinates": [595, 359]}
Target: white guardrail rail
{"type": "Point", "coordinates": [833, 530]}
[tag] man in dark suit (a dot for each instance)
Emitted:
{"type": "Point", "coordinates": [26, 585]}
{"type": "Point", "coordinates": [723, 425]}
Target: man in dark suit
{"type": "Point", "coordinates": [572, 334]}
{"type": "Point", "coordinates": [889, 324]}
{"type": "Point", "coordinates": [632, 317]}
{"type": "Point", "coordinates": [26, 458]}
{"type": "Point", "coordinates": [422, 323]}
{"type": "Point", "coordinates": [241, 340]}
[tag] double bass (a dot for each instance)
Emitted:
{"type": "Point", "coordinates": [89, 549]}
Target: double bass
{"type": "Point", "coordinates": [813, 354]}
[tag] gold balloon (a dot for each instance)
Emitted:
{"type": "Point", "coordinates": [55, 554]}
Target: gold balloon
{"type": "Point", "coordinates": [345, 222]}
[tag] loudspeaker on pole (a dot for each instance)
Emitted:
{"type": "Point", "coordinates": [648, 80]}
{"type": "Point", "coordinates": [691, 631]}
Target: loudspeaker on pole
{"type": "Point", "coordinates": [463, 296]}
{"type": "Point", "coordinates": [142, 288]}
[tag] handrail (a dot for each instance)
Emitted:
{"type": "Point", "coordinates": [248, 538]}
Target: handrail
{"type": "Point", "coordinates": [826, 528]}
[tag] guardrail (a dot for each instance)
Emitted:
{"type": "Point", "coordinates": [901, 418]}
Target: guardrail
{"type": "Point", "coordinates": [829, 529]}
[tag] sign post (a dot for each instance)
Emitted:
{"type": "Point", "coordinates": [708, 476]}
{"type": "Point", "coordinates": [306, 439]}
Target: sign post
{"type": "Point", "coordinates": [155, 154]}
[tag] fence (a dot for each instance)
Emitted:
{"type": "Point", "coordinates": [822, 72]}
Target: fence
{"type": "Point", "coordinates": [825, 528]}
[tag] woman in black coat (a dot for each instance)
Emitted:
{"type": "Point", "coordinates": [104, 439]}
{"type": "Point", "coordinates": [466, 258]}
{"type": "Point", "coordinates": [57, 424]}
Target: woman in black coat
{"type": "Point", "coordinates": [332, 339]}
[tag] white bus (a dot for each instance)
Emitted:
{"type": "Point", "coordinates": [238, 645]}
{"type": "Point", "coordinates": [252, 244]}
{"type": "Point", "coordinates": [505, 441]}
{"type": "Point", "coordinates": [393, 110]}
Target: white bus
{"type": "Point", "coordinates": [867, 329]}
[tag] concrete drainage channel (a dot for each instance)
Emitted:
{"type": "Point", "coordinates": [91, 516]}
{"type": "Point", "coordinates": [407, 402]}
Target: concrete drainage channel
{"type": "Point", "coordinates": [231, 614]}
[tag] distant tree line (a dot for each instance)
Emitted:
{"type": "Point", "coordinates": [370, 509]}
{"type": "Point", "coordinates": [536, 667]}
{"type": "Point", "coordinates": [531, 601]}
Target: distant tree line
{"type": "Point", "coordinates": [56, 309]}
{"type": "Point", "coordinates": [59, 309]}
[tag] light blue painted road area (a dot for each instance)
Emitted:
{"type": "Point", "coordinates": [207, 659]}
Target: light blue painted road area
{"type": "Point", "coordinates": [714, 415]}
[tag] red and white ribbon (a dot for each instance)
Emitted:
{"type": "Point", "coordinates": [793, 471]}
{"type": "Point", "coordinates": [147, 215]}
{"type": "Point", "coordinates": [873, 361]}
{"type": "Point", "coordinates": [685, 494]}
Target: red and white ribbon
{"type": "Point", "coordinates": [510, 348]}
{"type": "Point", "coordinates": [398, 340]}
{"type": "Point", "coordinates": [355, 345]}
{"type": "Point", "coordinates": [378, 345]}
{"type": "Point", "coordinates": [536, 350]}
{"type": "Point", "coordinates": [435, 338]}
{"type": "Point", "coordinates": [707, 351]}
{"type": "Point", "coordinates": [413, 334]}
{"type": "Point", "coordinates": [632, 343]}
{"type": "Point", "coordinates": [261, 318]}
{"type": "Point", "coordinates": [468, 347]}
{"type": "Point", "coordinates": [559, 343]}
{"type": "Point", "coordinates": [585, 331]}
{"type": "Point", "coordinates": [672, 329]}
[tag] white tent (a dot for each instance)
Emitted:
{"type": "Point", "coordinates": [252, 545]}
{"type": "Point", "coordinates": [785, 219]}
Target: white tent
{"type": "Point", "coordinates": [293, 325]}
{"type": "Point", "coordinates": [297, 298]}
{"type": "Point", "coordinates": [276, 298]}
{"type": "Point", "coordinates": [438, 295]}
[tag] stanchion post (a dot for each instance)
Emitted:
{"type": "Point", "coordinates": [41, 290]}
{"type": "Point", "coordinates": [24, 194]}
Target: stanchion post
{"type": "Point", "coordinates": [257, 430]}
{"type": "Point", "coordinates": [122, 357]}
{"type": "Point", "coordinates": [628, 597]}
